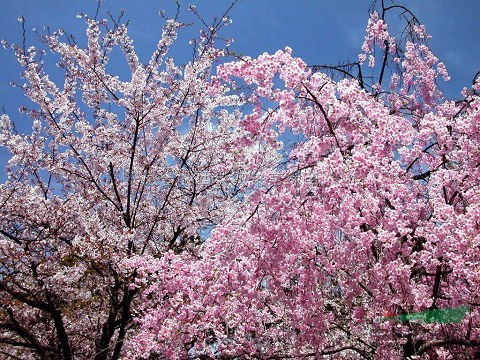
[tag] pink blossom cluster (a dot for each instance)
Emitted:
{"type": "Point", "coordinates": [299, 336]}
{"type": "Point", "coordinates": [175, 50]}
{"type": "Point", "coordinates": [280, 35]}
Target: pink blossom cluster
{"type": "Point", "coordinates": [372, 213]}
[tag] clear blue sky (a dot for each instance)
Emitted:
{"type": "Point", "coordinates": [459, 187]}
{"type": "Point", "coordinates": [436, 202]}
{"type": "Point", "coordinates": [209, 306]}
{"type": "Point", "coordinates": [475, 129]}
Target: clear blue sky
{"type": "Point", "coordinates": [319, 31]}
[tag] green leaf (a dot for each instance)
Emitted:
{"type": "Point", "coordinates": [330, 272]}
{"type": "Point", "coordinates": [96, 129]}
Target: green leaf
{"type": "Point", "coordinates": [440, 316]}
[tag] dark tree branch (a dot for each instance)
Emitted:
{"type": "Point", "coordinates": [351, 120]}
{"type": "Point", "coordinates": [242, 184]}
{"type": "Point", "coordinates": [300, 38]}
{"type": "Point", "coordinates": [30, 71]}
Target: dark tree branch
{"type": "Point", "coordinates": [324, 113]}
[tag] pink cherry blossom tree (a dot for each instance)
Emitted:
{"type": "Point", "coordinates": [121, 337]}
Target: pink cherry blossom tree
{"type": "Point", "coordinates": [375, 212]}
{"type": "Point", "coordinates": [113, 168]}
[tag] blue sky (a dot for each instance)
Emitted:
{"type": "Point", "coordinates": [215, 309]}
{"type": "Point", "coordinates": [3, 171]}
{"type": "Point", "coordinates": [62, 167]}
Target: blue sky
{"type": "Point", "coordinates": [319, 31]}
